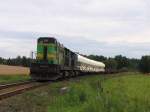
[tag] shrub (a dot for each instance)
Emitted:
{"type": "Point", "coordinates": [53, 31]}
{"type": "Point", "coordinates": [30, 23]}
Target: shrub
{"type": "Point", "coordinates": [144, 65]}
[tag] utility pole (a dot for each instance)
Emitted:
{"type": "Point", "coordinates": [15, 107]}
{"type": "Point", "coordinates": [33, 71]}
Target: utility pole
{"type": "Point", "coordinates": [32, 54]}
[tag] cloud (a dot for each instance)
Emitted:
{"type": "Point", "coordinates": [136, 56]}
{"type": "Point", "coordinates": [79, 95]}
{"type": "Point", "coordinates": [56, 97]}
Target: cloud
{"type": "Point", "coordinates": [12, 47]}
{"type": "Point", "coordinates": [94, 26]}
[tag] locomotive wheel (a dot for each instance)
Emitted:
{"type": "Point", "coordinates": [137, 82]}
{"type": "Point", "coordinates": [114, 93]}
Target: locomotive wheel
{"type": "Point", "coordinates": [66, 73]}
{"type": "Point", "coordinates": [76, 73]}
{"type": "Point", "coordinates": [73, 73]}
{"type": "Point", "coordinates": [61, 75]}
{"type": "Point", "coordinates": [69, 74]}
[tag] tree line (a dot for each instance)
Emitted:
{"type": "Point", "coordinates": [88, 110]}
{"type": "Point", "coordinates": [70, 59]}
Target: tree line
{"type": "Point", "coordinates": [122, 63]}
{"type": "Point", "coordinates": [119, 62]}
{"type": "Point", "coordinates": [18, 61]}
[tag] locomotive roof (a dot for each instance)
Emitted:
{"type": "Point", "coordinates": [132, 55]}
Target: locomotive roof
{"type": "Point", "coordinates": [49, 39]}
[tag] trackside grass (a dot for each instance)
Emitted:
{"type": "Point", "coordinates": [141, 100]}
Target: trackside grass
{"type": "Point", "coordinates": [12, 78]}
{"type": "Point", "coordinates": [124, 92]}
{"type": "Point", "coordinates": [129, 93]}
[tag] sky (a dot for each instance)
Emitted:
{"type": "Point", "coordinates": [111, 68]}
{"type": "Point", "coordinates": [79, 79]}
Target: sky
{"type": "Point", "coordinates": [100, 27]}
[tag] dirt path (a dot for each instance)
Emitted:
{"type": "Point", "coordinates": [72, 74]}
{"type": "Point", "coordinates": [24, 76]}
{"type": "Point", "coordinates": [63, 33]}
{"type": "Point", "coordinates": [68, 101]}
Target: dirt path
{"type": "Point", "coordinates": [13, 70]}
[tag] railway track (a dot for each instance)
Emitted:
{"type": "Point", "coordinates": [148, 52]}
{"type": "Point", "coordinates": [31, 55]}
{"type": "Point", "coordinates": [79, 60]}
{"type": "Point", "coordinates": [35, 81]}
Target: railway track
{"type": "Point", "coordinates": [4, 86]}
{"type": "Point", "coordinates": [9, 90]}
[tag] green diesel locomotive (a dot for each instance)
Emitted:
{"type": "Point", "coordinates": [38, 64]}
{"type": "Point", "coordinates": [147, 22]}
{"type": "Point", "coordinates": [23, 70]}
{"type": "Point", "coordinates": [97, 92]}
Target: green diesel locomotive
{"type": "Point", "coordinates": [55, 61]}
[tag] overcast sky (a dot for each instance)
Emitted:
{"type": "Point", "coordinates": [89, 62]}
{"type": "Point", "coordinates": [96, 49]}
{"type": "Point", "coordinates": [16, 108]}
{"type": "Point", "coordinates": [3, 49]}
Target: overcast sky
{"type": "Point", "coordinates": [102, 27]}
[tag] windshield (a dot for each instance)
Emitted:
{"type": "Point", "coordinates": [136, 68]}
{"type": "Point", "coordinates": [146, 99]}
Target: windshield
{"type": "Point", "coordinates": [46, 40]}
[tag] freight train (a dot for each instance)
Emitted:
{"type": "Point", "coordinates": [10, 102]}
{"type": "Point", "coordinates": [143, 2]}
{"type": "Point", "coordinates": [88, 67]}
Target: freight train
{"type": "Point", "coordinates": [54, 61]}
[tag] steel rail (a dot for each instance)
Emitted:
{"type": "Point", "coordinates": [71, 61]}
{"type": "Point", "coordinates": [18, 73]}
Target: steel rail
{"type": "Point", "coordinates": [4, 86]}
{"type": "Point", "coordinates": [18, 89]}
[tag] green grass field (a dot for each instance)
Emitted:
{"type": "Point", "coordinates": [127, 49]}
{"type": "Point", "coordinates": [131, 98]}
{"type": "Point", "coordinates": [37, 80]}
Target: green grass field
{"type": "Point", "coordinates": [128, 93]}
{"type": "Point", "coordinates": [125, 92]}
{"type": "Point", "coordinates": [12, 78]}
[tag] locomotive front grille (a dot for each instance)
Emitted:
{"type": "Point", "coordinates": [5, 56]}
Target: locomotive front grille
{"type": "Point", "coordinates": [44, 68]}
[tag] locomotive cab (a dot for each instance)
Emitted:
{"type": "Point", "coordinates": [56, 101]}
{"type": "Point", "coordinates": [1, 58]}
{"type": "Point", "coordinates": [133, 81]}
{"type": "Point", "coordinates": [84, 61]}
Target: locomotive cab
{"type": "Point", "coordinates": [46, 66]}
{"type": "Point", "coordinates": [47, 50]}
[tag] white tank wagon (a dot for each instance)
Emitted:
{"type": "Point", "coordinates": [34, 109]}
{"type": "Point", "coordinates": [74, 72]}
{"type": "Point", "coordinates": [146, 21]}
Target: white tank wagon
{"type": "Point", "coordinates": [88, 65]}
